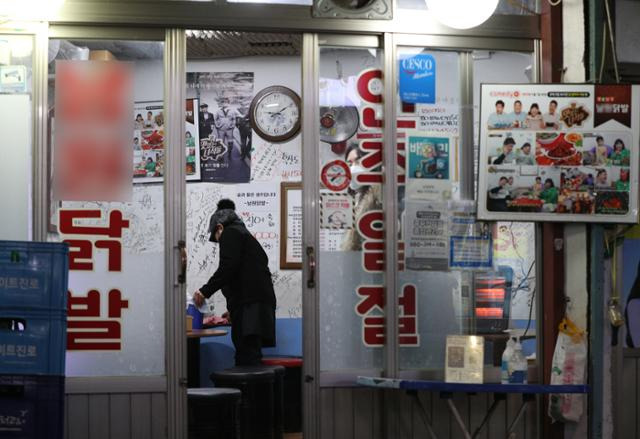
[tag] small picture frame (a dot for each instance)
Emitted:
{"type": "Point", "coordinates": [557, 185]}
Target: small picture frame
{"type": "Point", "coordinates": [291, 226]}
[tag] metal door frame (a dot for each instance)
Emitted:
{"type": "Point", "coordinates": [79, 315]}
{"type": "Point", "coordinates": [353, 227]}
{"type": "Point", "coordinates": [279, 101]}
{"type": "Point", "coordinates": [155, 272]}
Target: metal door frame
{"type": "Point", "coordinates": [389, 42]}
{"type": "Point", "coordinates": [173, 382]}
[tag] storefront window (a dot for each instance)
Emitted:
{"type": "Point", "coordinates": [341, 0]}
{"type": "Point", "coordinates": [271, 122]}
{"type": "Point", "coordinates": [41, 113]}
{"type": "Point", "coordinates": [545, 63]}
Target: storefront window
{"type": "Point", "coordinates": [432, 303]}
{"type": "Point", "coordinates": [351, 256]}
{"type": "Point", "coordinates": [460, 276]}
{"type": "Point", "coordinates": [117, 278]}
{"type": "Point", "coordinates": [16, 138]}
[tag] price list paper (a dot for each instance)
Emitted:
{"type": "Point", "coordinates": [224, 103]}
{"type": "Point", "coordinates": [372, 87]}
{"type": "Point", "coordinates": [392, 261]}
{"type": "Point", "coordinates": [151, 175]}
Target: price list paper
{"type": "Point", "coordinates": [426, 236]}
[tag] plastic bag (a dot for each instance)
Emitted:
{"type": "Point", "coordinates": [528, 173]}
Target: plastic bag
{"type": "Point", "coordinates": [568, 367]}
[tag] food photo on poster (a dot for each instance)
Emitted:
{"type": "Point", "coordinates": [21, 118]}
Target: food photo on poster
{"type": "Point", "coordinates": [578, 164]}
{"type": "Point", "coordinates": [148, 142]}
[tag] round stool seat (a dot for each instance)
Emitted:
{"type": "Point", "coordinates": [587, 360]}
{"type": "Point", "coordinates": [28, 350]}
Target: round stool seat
{"type": "Point", "coordinates": [244, 373]}
{"type": "Point", "coordinates": [214, 412]}
{"type": "Point", "coordinates": [283, 361]}
{"type": "Point", "coordinates": [213, 393]}
{"type": "Point", "coordinates": [258, 406]}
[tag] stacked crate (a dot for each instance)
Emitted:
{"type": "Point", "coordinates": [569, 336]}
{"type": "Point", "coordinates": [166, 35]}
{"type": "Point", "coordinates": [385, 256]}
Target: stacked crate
{"type": "Point", "coordinates": [33, 324]}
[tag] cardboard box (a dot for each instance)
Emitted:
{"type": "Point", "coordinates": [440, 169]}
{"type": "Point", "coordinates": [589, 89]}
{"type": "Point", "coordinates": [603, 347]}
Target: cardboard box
{"type": "Point", "coordinates": [101, 55]}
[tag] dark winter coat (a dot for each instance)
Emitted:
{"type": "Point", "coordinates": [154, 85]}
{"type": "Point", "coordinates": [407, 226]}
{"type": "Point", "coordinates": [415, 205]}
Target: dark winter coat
{"type": "Point", "coordinates": [243, 273]}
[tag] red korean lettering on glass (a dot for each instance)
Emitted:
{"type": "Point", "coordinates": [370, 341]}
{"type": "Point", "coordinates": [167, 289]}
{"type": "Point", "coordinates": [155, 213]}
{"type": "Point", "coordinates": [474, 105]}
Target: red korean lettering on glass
{"type": "Point", "coordinates": [86, 330]}
{"type": "Point", "coordinates": [371, 309]}
{"type": "Point", "coordinates": [81, 250]}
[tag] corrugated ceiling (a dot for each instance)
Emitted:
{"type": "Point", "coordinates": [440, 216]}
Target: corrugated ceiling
{"type": "Point", "coordinates": [226, 44]}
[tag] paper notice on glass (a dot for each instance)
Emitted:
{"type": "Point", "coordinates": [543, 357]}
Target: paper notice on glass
{"type": "Point", "coordinates": [430, 166]}
{"type": "Point", "coordinates": [439, 118]}
{"type": "Point", "coordinates": [464, 359]}
{"type": "Point", "coordinates": [336, 211]}
{"type": "Point", "coordinates": [470, 242]}
{"type": "Point", "coordinates": [331, 239]}
{"type": "Point", "coordinates": [426, 236]}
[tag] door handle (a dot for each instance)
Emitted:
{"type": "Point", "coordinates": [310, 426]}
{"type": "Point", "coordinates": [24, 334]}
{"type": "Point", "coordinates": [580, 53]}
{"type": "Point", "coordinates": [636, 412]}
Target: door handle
{"type": "Point", "coordinates": [311, 264]}
{"type": "Point", "coordinates": [182, 277]}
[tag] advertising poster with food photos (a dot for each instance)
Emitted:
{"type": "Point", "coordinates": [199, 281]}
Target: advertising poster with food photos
{"type": "Point", "coordinates": [559, 152]}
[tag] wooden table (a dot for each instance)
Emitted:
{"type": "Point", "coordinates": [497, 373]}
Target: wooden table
{"type": "Point", "coordinates": [193, 352]}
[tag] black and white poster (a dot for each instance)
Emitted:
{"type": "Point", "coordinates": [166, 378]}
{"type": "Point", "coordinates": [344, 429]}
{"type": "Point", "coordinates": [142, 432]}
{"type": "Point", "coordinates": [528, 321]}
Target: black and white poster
{"type": "Point", "coordinates": [224, 128]}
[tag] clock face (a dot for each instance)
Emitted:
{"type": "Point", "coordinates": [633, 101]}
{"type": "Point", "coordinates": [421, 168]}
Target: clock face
{"type": "Point", "coordinates": [275, 114]}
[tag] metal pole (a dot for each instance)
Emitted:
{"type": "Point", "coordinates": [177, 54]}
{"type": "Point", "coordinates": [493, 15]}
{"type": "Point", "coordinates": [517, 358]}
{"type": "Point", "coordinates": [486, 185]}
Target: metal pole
{"type": "Point", "coordinates": [175, 61]}
{"type": "Point", "coordinates": [390, 203]}
{"type": "Point", "coordinates": [311, 190]}
{"type": "Point", "coordinates": [596, 331]}
{"type": "Point", "coordinates": [40, 140]}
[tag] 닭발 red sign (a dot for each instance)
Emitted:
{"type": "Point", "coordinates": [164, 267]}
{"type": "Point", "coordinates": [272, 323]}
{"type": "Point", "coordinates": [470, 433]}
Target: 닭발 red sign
{"type": "Point", "coordinates": [92, 154]}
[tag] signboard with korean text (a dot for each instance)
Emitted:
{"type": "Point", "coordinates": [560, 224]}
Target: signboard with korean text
{"type": "Point", "coordinates": [92, 151]}
{"type": "Point", "coordinates": [115, 303]}
{"type": "Point", "coordinates": [559, 152]}
{"type": "Point", "coordinates": [291, 226]}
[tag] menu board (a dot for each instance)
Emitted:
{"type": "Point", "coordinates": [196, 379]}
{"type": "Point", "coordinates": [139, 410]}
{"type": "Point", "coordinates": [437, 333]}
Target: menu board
{"type": "Point", "coordinates": [291, 226]}
{"type": "Point", "coordinates": [559, 152]}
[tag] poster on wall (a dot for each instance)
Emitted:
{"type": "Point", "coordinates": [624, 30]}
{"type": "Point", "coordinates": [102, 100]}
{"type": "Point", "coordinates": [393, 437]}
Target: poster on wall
{"type": "Point", "coordinates": [148, 142]}
{"type": "Point", "coordinates": [426, 236]}
{"type": "Point", "coordinates": [224, 129]}
{"type": "Point", "coordinates": [429, 166]}
{"type": "Point", "coordinates": [559, 152]}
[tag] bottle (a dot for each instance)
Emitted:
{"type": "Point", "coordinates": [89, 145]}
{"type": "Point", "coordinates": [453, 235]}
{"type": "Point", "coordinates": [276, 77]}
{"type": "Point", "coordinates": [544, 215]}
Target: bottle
{"type": "Point", "coordinates": [517, 365]}
{"type": "Point", "coordinates": [506, 356]}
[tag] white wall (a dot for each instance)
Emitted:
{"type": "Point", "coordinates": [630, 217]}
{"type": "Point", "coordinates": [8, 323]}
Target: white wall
{"type": "Point", "coordinates": [15, 167]}
{"type": "Point", "coordinates": [284, 165]}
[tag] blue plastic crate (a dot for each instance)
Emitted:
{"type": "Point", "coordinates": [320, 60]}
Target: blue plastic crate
{"type": "Point", "coordinates": [34, 275]}
{"type": "Point", "coordinates": [32, 342]}
{"type": "Point", "coordinates": [31, 407]}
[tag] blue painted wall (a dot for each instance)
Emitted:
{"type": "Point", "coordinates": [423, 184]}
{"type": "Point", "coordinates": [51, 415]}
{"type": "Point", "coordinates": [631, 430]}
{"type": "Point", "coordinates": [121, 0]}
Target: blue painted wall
{"type": "Point", "coordinates": [217, 353]}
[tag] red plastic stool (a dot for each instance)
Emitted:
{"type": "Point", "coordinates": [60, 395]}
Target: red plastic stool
{"type": "Point", "coordinates": [292, 390]}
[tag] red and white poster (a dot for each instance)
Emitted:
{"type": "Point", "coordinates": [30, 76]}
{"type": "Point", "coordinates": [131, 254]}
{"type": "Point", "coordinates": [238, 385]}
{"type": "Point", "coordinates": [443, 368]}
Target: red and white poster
{"type": "Point", "coordinates": [92, 150]}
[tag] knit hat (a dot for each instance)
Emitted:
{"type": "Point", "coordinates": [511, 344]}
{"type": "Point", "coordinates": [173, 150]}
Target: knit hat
{"type": "Point", "coordinates": [224, 215]}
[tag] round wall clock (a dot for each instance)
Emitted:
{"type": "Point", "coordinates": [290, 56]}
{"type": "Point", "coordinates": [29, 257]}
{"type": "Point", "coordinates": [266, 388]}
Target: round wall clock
{"type": "Point", "coordinates": [275, 113]}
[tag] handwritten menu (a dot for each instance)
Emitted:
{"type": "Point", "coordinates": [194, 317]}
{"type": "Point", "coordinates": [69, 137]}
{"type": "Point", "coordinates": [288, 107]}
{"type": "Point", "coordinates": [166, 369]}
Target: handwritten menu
{"type": "Point", "coordinates": [257, 205]}
{"type": "Point", "coordinates": [266, 161]}
{"type": "Point", "coordinates": [293, 250]}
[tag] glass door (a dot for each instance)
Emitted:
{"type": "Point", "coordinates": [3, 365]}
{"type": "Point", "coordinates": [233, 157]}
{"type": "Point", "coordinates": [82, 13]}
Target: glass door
{"type": "Point", "coordinates": [351, 211]}
{"type": "Point", "coordinates": [244, 143]}
{"type": "Point", "coordinates": [107, 166]}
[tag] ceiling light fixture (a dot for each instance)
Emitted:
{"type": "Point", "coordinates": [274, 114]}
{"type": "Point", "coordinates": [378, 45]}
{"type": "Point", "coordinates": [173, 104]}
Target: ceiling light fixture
{"type": "Point", "coordinates": [462, 14]}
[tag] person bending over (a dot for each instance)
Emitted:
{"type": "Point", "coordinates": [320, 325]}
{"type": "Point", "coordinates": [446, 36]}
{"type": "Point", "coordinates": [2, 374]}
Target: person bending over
{"type": "Point", "coordinates": [245, 280]}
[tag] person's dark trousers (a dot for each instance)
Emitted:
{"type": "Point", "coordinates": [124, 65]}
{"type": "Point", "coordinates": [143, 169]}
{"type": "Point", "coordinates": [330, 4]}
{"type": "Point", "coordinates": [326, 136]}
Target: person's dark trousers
{"type": "Point", "coordinates": [248, 347]}
{"type": "Point", "coordinates": [249, 351]}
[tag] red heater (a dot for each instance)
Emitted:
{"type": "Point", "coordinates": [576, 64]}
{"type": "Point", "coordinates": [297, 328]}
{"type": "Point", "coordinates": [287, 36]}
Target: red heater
{"type": "Point", "coordinates": [492, 300]}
